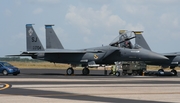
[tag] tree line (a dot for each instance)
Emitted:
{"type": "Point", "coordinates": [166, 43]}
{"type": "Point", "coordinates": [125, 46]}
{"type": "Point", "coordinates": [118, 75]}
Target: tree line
{"type": "Point", "coordinates": [19, 59]}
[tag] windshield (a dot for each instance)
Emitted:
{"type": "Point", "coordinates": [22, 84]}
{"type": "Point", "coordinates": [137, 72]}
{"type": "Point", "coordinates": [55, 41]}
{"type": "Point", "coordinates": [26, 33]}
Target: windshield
{"type": "Point", "coordinates": [7, 64]}
{"type": "Point", "coordinates": [136, 46]}
{"type": "Point", "coordinates": [115, 41]}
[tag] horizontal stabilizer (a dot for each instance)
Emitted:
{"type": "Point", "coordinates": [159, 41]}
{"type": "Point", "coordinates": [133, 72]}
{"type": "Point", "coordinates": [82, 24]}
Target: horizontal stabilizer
{"type": "Point", "coordinates": [21, 55]}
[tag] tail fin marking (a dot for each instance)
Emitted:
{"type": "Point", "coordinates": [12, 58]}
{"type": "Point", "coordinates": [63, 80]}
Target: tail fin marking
{"type": "Point", "coordinates": [32, 40]}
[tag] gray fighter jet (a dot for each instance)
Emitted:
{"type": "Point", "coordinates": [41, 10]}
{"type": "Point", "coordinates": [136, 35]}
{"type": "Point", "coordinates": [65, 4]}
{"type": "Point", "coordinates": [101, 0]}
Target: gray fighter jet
{"type": "Point", "coordinates": [174, 58]}
{"type": "Point", "coordinates": [97, 55]}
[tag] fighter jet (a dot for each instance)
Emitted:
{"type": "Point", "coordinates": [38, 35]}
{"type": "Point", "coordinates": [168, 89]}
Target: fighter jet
{"type": "Point", "coordinates": [174, 58]}
{"type": "Point", "coordinates": [96, 55]}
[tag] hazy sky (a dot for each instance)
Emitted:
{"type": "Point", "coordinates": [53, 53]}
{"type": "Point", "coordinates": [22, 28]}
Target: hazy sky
{"type": "Point", "coordinates": [90, 23]}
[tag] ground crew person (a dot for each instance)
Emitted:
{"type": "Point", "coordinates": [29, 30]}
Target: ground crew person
{"type": "Point", "coordinates": [113, 70]}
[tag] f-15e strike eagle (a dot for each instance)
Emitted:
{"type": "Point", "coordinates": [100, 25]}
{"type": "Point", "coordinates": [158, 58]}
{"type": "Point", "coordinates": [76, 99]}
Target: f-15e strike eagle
{"type": "Point", "coordinates": [56, 53]}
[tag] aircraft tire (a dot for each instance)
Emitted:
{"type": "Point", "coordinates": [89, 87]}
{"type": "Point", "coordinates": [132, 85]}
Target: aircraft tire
{"type": "Point", "coordinates": [117, 73]}
{"type": "Point", "coordinates": [174, 72]}
{"type": "Point", "coordinates": [85, 71]}
{"type": "Point", "coordinates": [5, 72]}
{"type": "Point", "coordinates": [161, 70]}
{"type": "Point", "coordinates": [70, 71]}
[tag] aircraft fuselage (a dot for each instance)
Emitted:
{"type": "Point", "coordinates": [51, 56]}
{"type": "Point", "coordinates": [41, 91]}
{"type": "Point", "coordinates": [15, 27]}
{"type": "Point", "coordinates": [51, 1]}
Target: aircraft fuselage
{"type": "Point", "coordinates": [103, 55]}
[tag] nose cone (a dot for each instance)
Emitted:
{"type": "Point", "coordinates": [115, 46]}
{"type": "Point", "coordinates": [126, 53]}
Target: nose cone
{"type": "Point", "coordinates": [158, 57]}
{"type": "Point", "coordinates": [152, 56]}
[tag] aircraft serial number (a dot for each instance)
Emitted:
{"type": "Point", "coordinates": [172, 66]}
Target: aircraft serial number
{"type": "Point", "coordinates": [36, 47]}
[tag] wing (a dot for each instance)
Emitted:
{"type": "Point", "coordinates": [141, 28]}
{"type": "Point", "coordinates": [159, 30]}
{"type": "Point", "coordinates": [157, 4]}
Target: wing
{"type": "Point", "coordinates": [170, 54]}
{"type": "Point", "coordinates": [57, 51]}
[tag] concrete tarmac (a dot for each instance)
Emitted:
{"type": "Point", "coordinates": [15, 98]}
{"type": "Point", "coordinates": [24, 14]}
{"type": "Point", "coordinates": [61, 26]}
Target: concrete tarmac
{"type": "Point", "coordinates": [53, 86]}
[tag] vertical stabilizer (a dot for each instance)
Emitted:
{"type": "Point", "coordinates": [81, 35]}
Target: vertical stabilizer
{"type": "Point", "coordinates": [32, 40]}
{"type": "Point", "coordinates": [52, 41]}
{"type": "Point", "coordinates": [140, 40]}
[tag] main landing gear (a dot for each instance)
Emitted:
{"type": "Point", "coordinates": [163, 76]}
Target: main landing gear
{"type": "Point", "coordinates": [85, 71]}
{"type": "Point", "coordinates": [173, 71]}
{"type": "Point", "coordinates": [70, 71]}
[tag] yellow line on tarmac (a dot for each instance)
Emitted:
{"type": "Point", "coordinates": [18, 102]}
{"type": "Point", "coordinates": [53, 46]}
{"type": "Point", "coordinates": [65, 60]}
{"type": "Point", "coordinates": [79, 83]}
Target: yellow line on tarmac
{"type": "Point", "coordinates": [5, 86]}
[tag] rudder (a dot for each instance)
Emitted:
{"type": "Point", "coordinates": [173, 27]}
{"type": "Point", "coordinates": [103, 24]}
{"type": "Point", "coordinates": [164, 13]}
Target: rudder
{"type": "Point", "coordinates": [52, 41]}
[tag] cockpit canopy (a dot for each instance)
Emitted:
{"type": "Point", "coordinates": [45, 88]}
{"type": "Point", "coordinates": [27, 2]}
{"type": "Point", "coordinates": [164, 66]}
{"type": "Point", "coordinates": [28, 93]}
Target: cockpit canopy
{"type": "Point", "coordinates": [123, 39]}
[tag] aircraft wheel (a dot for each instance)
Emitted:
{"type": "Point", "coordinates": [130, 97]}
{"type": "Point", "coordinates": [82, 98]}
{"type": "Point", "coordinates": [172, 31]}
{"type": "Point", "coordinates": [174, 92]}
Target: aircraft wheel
{"type": "Point", "coordinates": [174, 72]}
{"type": "Point", "coordinates": [5, 72]}
{"type": "Point", "coordinates": [161, 70]}
{"type": "Point", "coordinates": [117, 73]}
{"type": "Point", "coordinates": [70, 71]}
{"type": "Point", "coordinates": [85, 71]}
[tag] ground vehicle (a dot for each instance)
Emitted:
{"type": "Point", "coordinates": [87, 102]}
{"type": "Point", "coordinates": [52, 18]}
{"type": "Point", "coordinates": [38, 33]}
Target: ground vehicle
{"type": "Point", "coordinates": [6, 68]}
{"type": "Point", "coordinates": [133, 67]}
{"type": "Point", "coordinates": [128, 68]}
